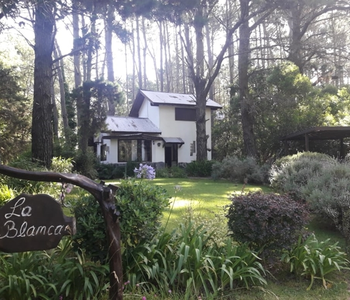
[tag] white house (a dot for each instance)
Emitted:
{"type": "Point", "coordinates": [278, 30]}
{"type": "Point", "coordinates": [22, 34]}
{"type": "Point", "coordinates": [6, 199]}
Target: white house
{"type": "Point", "coordinates": [161, 128]}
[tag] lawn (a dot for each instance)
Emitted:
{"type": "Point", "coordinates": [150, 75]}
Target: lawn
{"type": "Point", "coordinates": [205, 196]}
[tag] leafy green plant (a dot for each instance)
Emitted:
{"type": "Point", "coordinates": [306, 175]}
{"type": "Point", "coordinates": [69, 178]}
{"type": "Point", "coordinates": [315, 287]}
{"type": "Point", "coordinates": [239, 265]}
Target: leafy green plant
{"type": "Point", "coordinates": [186, 263]}
{"type": "Point", "coordinates": [172, 172]}
{"type": "Point", "coordinates": [6, 194]}
{"type": "Point", "coordinates": [140, 205]}
{"type": "Point", "coordinates": [59, 164]}
{"type": "Point", "coordinates": [267, 222]}
{"type": "Point", "coordinates": [199, 168]}
{"type": "Point", "coordinates": [315, 259]}
{"type": "Point", "coordinates": [26, 186]}
{"type": "Point", "coordinates": [51, 274]}
{"type": "Point", "coordinates": [62, 165]}
{"type": "Point", "coordinates": [110, 171]}
{"type": "Point", "coordinates": [240, 170]}
{"type": "Point", "coordinates": [90, 235]}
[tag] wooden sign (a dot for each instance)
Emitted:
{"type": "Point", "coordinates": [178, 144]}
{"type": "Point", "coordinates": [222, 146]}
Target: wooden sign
{"type": "Point", "coordinates": [33, 222]}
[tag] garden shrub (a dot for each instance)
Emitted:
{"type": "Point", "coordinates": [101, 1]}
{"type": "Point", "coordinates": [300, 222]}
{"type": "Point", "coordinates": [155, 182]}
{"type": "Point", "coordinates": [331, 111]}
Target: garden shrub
{"type": "Point", "coordinates": [199, 168]}
{"type": "Point", "coordinates": [240, 170]}
{"type": "Point", "coordinates": [291, 173]}
{"type": "Point", "coordinates": [85, 164]}
{"type": "Point", "coordinates": [267, 222]}
{"type": "Point", "coordinates": [91, 229]}
{"type": "Point", "coordinates": [329, 196]}
{"type": "Point", "coordinates": [172, 172]}
{"type": "Point", "coordinates": [315, 259]}
{"type": "Point", "coordinates": [140, 205]}
{"type": "Point", "coordinates": [110, 171]}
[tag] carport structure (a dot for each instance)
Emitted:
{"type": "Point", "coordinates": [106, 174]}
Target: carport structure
{"type": "Point", "coordinates": [320, 133]}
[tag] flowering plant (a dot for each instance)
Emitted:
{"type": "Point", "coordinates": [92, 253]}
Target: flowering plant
{"type": "Point", "coordinates": [145, 171]}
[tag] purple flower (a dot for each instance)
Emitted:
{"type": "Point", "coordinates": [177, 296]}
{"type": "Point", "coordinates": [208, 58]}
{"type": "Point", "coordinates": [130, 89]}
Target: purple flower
{"type": "Point", "coordinates": [145, 171]}
{"type": "Point", "coordinates": [144, 298]}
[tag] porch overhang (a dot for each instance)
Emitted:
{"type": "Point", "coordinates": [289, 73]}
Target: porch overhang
{"type": "Point", "coordinates": [320, 133]}
{"type": "Point", "coordinates": [173, 140]}
{"type": "Point", "coordinates": [132, 136]}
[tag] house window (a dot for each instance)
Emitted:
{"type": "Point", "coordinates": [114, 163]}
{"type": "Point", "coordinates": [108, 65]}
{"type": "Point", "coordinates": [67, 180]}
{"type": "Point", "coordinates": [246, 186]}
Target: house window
{"type": "Point", "coordinates": [103, 152]}
{"type": "Point", "coordinates": [185, 114]}
{"type": "Point", "coordinates": [147, 155]}
{"type": "Point", "coordinates": [134, 150]}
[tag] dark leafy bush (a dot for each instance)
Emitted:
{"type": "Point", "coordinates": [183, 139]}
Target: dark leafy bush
{"type": "Point", "coordinates": [90, 235]}
{"type": "Point", "coordinates": [240, 170]}
{"type": "Point", "coordinates": [267, 222]}
{"type": "Point", "coordinates": [85, 163]}
{"type": "Point", "coordinates": [172, 172]}
{"type": "Point", "coordinates": [291, 173]}
{"type": "Point", "coordinates": [140, 205]}
{"type": "Point", "coordinates": [199, 168]}
{"type": "Point", "coordinates": [110, 171]}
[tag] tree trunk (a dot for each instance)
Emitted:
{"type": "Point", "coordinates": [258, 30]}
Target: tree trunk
{"type": "Point", "coordinates": [200, 84]}
{"type": "Point", "coordinates": [109, 54]}
{"type": "Point", "coordinates": [144, 53]}
{"type": "Point", "coordinates": [42, 132]}
{"type": "Point", "coordinates": [244, 98]}
{"type": "Point", "coordinates": [295, 47]}
{"type": "Point", "coordinates": [77, 60]}
{"type": "Point", "coordinates": [61, 81]}
{"type": "Point", "coordinates": [161, 63]}
{"type": "Point", "coordinates": [139, 64]}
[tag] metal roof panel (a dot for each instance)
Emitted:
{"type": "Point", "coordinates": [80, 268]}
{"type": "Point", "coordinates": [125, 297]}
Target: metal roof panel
{"type": "Point", "coordinates": [128, 124]}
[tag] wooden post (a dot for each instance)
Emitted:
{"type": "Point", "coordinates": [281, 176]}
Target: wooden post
{"type": "Point", "coordinates": [105, 197]}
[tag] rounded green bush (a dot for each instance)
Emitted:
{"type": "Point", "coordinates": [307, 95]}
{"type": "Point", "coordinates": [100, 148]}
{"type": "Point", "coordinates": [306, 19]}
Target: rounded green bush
{"type": "Point", "coordinates": [267, 222]}
{"type": "Point", "coordinates": [140, 206]}
{"type": "Point", "coordinates": [290, 174]}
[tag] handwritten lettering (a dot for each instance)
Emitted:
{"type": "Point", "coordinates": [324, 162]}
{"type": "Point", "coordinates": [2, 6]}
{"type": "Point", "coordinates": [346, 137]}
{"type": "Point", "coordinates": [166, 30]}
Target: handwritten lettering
{"type": "Point", "coordinates": [16, 227]}
{"type": "Point", "coordinates": [25, 231]}
{"type": "Point", "coordinates": [26, 211]}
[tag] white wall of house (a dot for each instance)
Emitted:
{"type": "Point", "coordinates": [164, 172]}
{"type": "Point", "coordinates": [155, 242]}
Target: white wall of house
{"type": "Point", "coordinates": [150, 112]}
{"type": "Point", "coordinates": [158, 152]}
{"type": "Point", "coordinates": [208, 117]}
{"type": "Point", "coordinates": [112, 154]}
{"type": "Point", "coordinates": [182, 129]}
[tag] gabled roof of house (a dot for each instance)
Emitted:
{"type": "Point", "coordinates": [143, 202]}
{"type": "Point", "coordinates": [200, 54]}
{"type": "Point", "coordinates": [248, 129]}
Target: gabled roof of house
{"type": "Point", "coordinates": [161, 98]}
{"type": "Point", "coordinates": [130, 125]}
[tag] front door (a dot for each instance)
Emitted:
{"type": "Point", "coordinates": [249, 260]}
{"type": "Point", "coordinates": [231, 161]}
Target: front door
{"type": "Point", "coordinates": [171, 158]}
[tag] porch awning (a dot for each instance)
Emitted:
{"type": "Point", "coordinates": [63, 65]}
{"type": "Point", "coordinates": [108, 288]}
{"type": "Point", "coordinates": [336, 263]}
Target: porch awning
{"type": "Point", "coordinates": [173, 140]}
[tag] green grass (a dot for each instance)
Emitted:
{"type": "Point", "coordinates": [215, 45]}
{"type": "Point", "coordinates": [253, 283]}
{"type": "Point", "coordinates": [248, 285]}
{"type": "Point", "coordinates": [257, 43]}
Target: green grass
{"type": "Point", "coordinates": [203, 195]}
